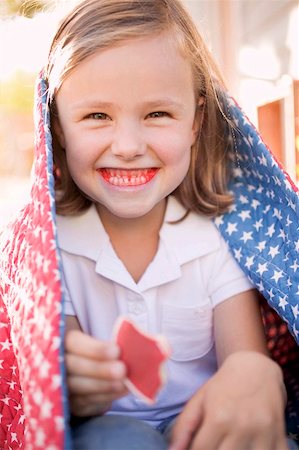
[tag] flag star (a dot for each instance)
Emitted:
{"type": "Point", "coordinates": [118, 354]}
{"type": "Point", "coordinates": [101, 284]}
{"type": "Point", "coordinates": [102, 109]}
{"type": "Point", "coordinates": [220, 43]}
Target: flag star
{"type": "Point", "coordinates": [56, 343]}
{"type": "Point", "coordinates": [289, 283]}
{"type": "Point", "coordinates": [5, 345]}
{"type": "Point", "coordinates": [262, 268]}
{"type": "Point", "coordinates": [273, 251]}
{"type": "Point", "coordinates": [46, 409]}
{"type": "Point", "coordinates": [36, 231]}
{"type": "Point", "coordinates": [59, 422]}
{"type": "Point", "coordinates": [291, 204]}
{"type": "Point", "coordinates": [246, 236]}
{"type": "Point", "coordinates": [243, 199]}
{"type": "Point", "coordinates": [282, 234]}
{"type": "Point", "coordinates": [277, 213]}
{"type": "Point", "coordinates": [271, 295]}
{"type": "Point", "coordinates": [297, 245]}
{"type": "Point", "coordinates": [46, 265]}
{"type": "Point", "coordinates": [295, 266]}
{"type": "Point", "coordinates": [39, 260]}
{"type": "Point", "coordinates": [295, 331]}
{"type": "Point", "coordinates": [231, 228]}
{"type": "Point", "coordinates": [237, 172]}
{"type": "Point", "coordinates": [5, 400]}
{"type": "Point", "coordinates": [22, 419]}
{"type": "Point", "coordinates": [40, 438]}
{"type": "Point", "coordinates": [260, 286]}
{"type": "Point", "coordinates": [219, 220]}
{"type": "Point", "coordinates": [276, 180]}
{"type": "Point", "coordinates": [13, 437]}
{"type": "Point", "coordinates": [268, 207]}
{"type": "Point", "coordinates": [255, 203]}
{"type": "Point", "coordinates": [56, 381]}
{"type": "Point", "coordinates": [245, 215]}
{"type": "Point", "coordinates": [250, 139]}
{"type": "Point", "coordinates": [262, 160]}
{"type": "Point", "coordinates": [277, 275]}
{"type": "Point", "coordinates": [41, 291]}
{"type": "Point", "coordinates": [238, 254]}
{"type": "Point", "coordinates": [271, 230]}
{"type": "Point", "coordinates": [282, 302]}
{"type": "Point", "coordinates": [289, 221]}
{"type": "Point", "coordinates": [44, 234]}
{"type": "Point", "coordinates": [293, 435]}
{"type": "Point", "coordinates": [11, 384]}
{"type": "Point", "coordinates": [295, 311]}
{"type": "Point", "coordinates": [249, 261]}
{"type": "Point", "coordinates": [258, 224]}
{"type": "Point", "coordinates": [261, 246]}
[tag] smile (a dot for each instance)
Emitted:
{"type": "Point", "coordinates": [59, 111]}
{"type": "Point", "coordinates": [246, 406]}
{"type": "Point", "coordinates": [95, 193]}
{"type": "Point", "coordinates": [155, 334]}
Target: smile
{"type": "Point", "coordinates": [123, 177]}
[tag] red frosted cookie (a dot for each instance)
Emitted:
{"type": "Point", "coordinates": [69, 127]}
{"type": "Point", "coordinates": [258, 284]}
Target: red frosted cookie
{"type": "Point", "coordinates": [144, 356]}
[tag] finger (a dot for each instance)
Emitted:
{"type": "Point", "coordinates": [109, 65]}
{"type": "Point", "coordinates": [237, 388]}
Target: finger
{"type": "Point", "coordinates": [85, 385]}
{"type": "Point", "coordinates": [81, 343]}
{"type": "Point", "coordinates": [78, 365]}
{"type": "Point", "coordinates": [187, 424]}
{"type": "Point", "coordinates": [82, 406]}
{"type": "Point", "coordinates": [84, 401]}
{"type": "Point", "coordinates": [80, 409]}
{"type": "Point", "coordinates": [211, 438]}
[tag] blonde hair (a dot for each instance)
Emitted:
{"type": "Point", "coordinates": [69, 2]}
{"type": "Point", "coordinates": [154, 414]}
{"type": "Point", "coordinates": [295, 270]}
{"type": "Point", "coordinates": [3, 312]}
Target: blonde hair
{"type": "Point", "coordinates": [96, 24]}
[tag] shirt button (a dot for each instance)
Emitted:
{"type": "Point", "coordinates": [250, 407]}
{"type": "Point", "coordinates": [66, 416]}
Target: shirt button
{"type": "Point", "coordinates": [136, 308]}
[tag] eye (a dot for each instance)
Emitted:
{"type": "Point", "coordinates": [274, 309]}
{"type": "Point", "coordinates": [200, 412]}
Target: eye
{"type": "Point", "coordinates": [157, 114]}
{"type": "Point", "coordinates": [98, 116]}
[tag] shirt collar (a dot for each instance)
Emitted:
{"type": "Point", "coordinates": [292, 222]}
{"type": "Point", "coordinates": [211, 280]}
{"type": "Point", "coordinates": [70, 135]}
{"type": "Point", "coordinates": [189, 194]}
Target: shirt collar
{"type": "Point", "coordinates": [82, 235]}
{"type": "Point", "coordinates": [194, 236]}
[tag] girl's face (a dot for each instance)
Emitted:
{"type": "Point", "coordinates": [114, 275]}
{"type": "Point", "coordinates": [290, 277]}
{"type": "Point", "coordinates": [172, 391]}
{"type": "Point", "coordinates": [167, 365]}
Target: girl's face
{"type": "Point", "coordinates": [127, 121]}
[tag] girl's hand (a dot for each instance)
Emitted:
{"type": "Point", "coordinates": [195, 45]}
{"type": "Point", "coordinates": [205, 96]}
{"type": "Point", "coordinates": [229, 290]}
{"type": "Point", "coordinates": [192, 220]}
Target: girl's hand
{"type": "Point", "coordinates": [95, 376]}
{"type": "Point", "coordinates": [240, 408]}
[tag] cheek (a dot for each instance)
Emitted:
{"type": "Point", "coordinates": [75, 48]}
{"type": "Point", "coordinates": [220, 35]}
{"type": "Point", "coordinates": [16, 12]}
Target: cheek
{"type": "Point", "coordinates": [176, 151]}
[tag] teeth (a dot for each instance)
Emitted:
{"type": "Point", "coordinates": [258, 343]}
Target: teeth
{"type": "Point", "coordinates": [121, 177]}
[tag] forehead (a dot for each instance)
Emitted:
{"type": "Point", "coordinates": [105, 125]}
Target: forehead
{"type": "Point", "coordinates": [148, 63]}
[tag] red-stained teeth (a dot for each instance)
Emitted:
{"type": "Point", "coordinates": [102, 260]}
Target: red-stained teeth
{"type": "Point", "coordinates": [121, 177]}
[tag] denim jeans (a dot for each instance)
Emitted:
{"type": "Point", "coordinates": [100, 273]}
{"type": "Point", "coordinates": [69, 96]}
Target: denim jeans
{"type": "Point", "coordinates": [112, 432]}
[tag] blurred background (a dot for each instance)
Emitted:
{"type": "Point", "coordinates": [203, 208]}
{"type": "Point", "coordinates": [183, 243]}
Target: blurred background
{"type": "Point", "coordinates": [255, 42]}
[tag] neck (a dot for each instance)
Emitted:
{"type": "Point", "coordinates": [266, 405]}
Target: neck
{"type": "Point", "coordinates": [148, 224]}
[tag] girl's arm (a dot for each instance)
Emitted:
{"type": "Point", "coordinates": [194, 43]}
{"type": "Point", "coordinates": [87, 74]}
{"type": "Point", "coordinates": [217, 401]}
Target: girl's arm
{"type": "Point", "coordinates": [94, 374]}
{"type": "Point", "coordinates": [242, 405]}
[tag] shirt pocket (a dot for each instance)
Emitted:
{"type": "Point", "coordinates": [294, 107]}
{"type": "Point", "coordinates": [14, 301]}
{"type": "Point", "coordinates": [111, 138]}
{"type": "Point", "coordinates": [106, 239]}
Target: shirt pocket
{"type": "Point", "coordinates": [189, 331]}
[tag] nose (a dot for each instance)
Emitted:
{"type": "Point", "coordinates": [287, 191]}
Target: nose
{"type": "Point", "coordinates": [127, 141]}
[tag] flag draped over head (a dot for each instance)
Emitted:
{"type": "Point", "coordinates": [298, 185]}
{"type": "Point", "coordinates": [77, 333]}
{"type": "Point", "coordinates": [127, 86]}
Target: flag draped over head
{"type": "Point", "coordinates": [261, 229]}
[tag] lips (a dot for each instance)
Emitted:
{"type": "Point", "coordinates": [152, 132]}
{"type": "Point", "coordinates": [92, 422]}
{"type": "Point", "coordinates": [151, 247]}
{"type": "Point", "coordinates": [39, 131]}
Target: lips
{"type": "Point", "coordinates": [125, 178]}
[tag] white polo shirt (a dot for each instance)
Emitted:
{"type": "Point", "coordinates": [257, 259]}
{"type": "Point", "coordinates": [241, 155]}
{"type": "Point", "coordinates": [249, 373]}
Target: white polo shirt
{"type": "Point", "coordinates": [191, 273]}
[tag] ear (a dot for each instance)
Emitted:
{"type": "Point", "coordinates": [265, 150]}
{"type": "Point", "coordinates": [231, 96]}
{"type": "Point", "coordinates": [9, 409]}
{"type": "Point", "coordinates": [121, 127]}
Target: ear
{"type": "Point", "coordinates": [198, 118]}
{"type": "Point", "coordinates": [58, 131]}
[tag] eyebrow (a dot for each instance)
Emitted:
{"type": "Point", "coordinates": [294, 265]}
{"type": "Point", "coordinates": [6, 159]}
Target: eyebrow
{"type": "Point", "coordinates": [165, 102]}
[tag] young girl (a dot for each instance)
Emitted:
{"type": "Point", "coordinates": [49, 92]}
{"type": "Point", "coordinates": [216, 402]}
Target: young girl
{"type": "Point", "coordinates": [142, 145]}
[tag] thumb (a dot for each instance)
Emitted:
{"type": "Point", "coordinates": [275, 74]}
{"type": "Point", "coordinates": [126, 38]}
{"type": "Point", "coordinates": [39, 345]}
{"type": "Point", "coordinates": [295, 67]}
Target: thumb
{"type": "Point", "coordinates": [187, 423]}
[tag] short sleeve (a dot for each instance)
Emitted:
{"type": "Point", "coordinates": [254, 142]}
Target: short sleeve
{"type": "Point", "coordinates": [67, 302]}
{"type": "Point", "coordinates": [227, 278]}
